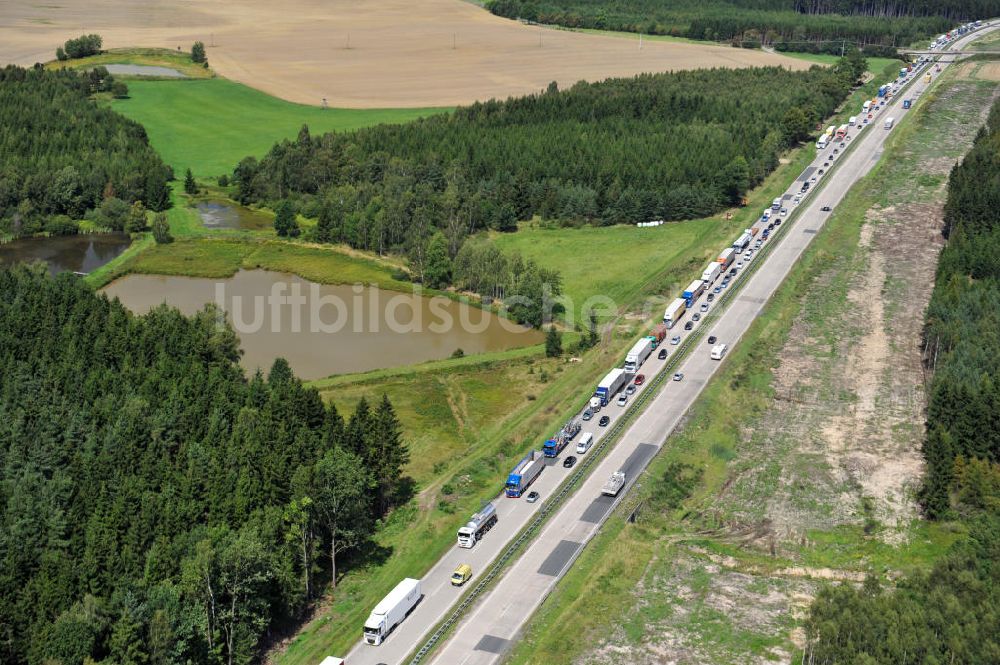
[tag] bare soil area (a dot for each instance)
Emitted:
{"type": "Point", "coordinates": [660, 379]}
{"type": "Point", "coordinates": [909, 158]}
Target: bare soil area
{"type": "Point", "coordinates": [377, 53]}
{"type": "Point", "coordinates": [840, 444]}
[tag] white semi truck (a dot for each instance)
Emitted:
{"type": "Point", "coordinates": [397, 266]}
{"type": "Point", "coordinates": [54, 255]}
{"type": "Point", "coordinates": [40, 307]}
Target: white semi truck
{"type": "Point", "coordinates": [674, 312]}
{"type": "Point", "coordinates": [638, 354]}
{"type": "Point", "coordinates": [477, 526]}
{"type": "Point", "coordinates": [391, 611]}
{"type": "Point", "coordinates": [609, 386]}
{"type": "Point", "coordinates": [711, 272]}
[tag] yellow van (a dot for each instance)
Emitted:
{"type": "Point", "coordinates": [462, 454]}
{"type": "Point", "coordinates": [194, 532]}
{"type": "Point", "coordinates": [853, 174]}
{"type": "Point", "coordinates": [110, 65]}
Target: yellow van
{"type": "Point", "coordinates": [461, 575]}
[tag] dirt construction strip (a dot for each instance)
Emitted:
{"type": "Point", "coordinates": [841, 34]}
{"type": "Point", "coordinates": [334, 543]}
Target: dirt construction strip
{"type": "Point", "coordinates": [377, 53]}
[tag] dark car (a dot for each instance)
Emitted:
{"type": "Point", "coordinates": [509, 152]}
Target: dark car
{"type": "Point", "coordinates": [711, 297]}
{"type": "Point", "coordinates": [717, 289]}
{"type": "Point", "coordinates": [662, 355]}
{"type": "Point", "coordinates": [819, 172]}
{"type": "Point", "coordinates": [588, 414]}
{"type": "Point", "coordinates": [603, 422]}
{"type": "Point", "coordinates": [711, 339]}
{"type": "Point", "coordinates": [641, 378]}
{"type": "Point", "coordinates": [696, 317]}
{"type": "Point", "coordinates": [569, 462]}
{"type": "Point", "coordinates": [732, 273]}
{"type": "Point", "coordinates": [689, 325]}
{"type": "Point", "coordinates": [825, 208]}
{"type": "Point", "coordinates": [825, 164]}
{"type": "Point", "coordinates": [777, 222]}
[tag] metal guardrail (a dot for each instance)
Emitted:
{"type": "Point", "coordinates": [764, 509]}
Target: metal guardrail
{"type": "Point", "coordinates": [550, 506]}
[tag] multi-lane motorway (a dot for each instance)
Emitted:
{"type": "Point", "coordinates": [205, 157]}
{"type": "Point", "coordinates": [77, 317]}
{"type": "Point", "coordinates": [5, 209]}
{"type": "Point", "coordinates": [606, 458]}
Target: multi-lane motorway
{"type": "Point", "coordinates": [494, 622]}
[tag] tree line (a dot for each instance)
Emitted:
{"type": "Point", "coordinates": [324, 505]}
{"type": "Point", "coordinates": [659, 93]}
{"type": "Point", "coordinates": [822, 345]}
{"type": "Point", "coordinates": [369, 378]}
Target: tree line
{"type": "Point", "coordinates": [948, 615]}
{"type": "Point", "coordinates": [885, 23]}
{"type": "Point", "coordinates": [62, 156]}
{"type": "Point", "coordinates": [159, 506]}
{"type": "Point", "coordinates": [661, 146]}
{"type": "Point", "coordinates": [81, 47]}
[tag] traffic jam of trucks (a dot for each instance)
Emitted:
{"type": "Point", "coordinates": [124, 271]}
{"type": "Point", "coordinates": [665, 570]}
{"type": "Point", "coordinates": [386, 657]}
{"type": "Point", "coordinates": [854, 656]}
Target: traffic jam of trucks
{"type": "Point", "coordinates": [402, 599]}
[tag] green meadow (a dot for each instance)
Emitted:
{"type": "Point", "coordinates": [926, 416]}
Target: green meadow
{"type": "Point", "coordinates": [210, 125]}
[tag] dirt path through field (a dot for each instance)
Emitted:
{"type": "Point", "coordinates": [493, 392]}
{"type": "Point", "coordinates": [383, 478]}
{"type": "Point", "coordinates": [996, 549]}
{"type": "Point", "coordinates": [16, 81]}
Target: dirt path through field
{"type": "Point", "coordinates": [379, 53]}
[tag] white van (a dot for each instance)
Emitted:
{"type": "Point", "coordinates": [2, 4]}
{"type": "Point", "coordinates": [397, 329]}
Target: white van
{"type": "Point", "coordinates": [718, 351]}
{"type": "Point", "coordinates": [583, 445]}
{"type": "Point", "coordinates": [888, 123]}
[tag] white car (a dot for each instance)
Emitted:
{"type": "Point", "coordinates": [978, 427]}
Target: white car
{"type": "Point", "coordinates": [704, 306]}
{"type": "Point", "coordinates": [622, 399]}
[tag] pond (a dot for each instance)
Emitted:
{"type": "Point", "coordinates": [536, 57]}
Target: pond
{"type": "Point", "coordinates": [144, 70]}
{"type": "Point", "coordinates": [222, 215]}
{"type": "Point", "coordinates": [328, 329]}
{"type": "Point", "coordinates": [77, 253]}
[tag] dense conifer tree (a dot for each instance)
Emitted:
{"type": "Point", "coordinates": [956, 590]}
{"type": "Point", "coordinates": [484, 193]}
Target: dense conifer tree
{"type": "Point", "coordinates": [159, 506]}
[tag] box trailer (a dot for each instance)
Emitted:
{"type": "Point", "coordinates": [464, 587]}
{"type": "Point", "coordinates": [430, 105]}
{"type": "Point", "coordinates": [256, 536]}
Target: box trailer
{"type": "Point", "coordinates": [524, 473]}
{"type": "Point", "coordinates": [711, 273]}
{"type": "Point", "coordinates": [609, 386]}
{"type": "Point", "coordinates": [674, 312]}
{"type": "Point", "coordinates": [639, 352]}
{"type": "Point", "coordinates": [693, 292]}
{"type": "Point", "coordinates": [392, 610]}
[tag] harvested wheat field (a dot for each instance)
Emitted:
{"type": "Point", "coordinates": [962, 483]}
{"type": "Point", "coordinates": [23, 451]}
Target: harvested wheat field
{"type": "Point", "coordinates": [379, 53]}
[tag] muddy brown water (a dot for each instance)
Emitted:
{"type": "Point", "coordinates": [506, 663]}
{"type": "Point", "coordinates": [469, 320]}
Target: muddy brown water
{"type": "Point", "coordinates": [324, 329]}
{"type": "Point", "coordinates": [221, 215]}
{"type": "Point", "coordinates": [77, 253]}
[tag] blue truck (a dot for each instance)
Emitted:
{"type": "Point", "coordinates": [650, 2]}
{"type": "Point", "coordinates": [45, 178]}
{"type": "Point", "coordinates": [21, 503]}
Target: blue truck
{"type": "Point", "coordinates": [555, 445]}
{"type": "Point", "coordinates": [693, 292]}
{"type": "Point", "coordinates": [524, 474]}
